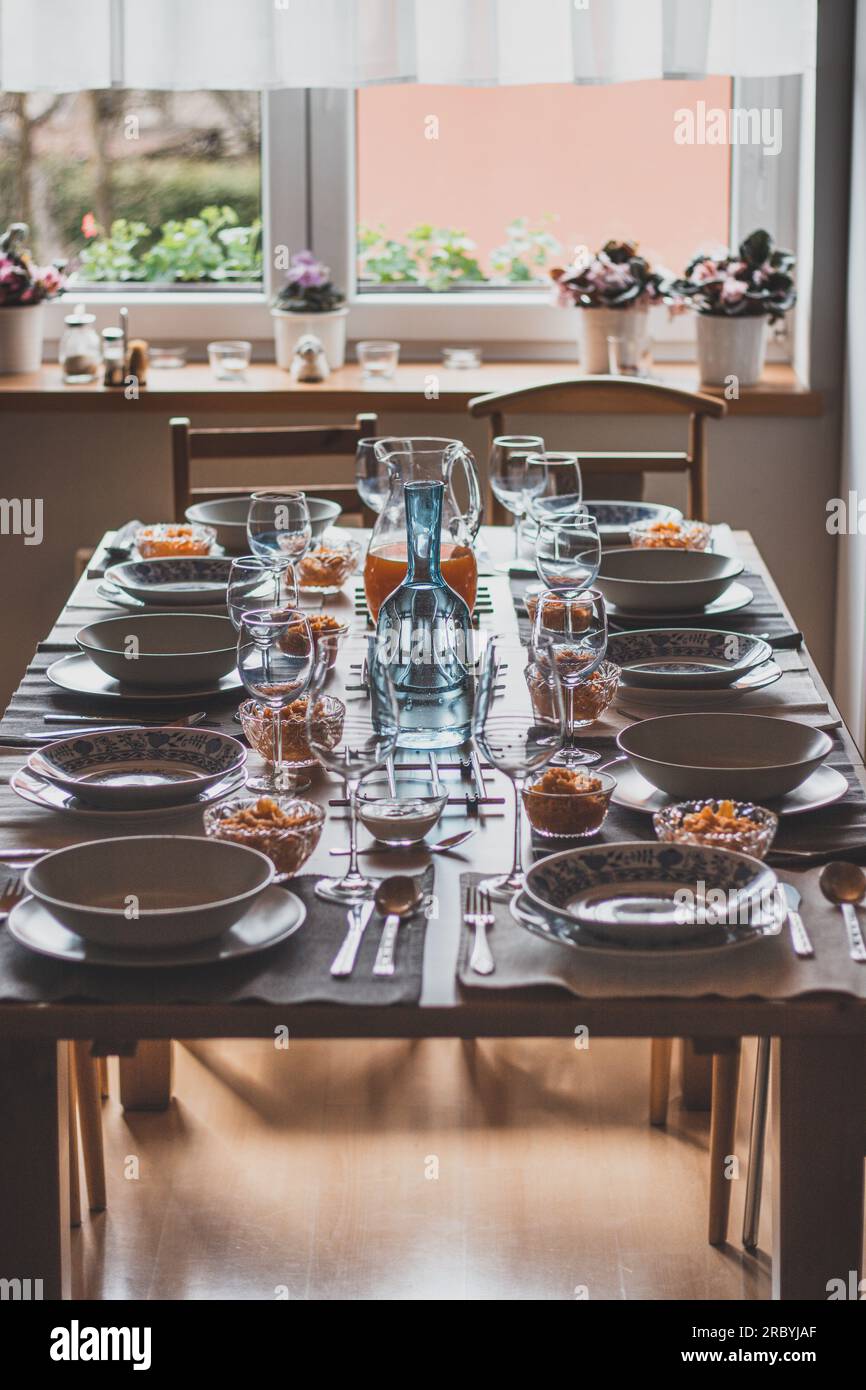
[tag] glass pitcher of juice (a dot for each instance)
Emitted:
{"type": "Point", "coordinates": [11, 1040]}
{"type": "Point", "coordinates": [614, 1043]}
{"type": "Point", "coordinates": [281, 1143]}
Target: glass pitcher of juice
{"type": "Point", "coordinates": [414, 460]}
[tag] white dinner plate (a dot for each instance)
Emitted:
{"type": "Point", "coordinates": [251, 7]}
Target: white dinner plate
{"type": "Point", "coordinates": [275, 915]}
{"type": "Point", "coordinates": [568, 932]}
{"type": "Point", "coordinates": [51, 797]}
{"type": "Point", "coordinates": [735, 597]}
{"type": "Point", "coordinates": [661, 700]}
{"type": "Point", "coordinates": [118, 598]}
{"type": "Point", "coordinates": [822, 788]}
{"type": "Point", "coordinates": [80, 676]}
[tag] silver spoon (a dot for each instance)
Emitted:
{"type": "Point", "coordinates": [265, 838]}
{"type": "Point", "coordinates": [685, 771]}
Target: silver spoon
{"type": "Point", "coordinates": [844, 885]}
{"type": "Point", "coordinates": [440, 847]}
{"type": "Point", "coordinates": [396, 897]}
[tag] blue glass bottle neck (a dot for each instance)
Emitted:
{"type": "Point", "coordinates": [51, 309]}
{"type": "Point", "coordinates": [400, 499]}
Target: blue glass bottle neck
{"type": "Point", "coordinates": [423, 531]}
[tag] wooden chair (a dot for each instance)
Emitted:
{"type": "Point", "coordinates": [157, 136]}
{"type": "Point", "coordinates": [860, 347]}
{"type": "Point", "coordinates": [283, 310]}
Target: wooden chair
{"type": "Point", "coordinates": [266, 442]}
{"type": "Point", "coordinates": [87, 1086]}
{"type": "Point", "coordinates": [603, 395]}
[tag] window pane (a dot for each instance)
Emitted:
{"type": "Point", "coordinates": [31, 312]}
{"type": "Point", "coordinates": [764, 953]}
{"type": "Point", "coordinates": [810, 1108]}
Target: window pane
{"type": "Point", "coordinates": [117, 183]}
{"type": "Point", "coordinates": [578, 165]}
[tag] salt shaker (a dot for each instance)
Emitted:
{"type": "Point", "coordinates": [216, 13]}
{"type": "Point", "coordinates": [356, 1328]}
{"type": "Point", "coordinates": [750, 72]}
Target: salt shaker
{"type": "Point", "coordinates": [114, 356]}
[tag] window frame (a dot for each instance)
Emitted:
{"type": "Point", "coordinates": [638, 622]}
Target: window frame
{"type": "Point", "coordinates": [309, 199]}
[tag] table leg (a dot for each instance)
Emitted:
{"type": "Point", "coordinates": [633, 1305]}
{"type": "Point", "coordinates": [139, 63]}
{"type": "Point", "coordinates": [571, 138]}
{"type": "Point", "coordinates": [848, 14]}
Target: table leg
{"type": "Point", "coordinates": [819, 1136]}
{"type": "Point", "coordinates": [723, 1128]}
{"type": "Point", "coordinates": [34, 1167]}
{"type": "Point", "coordinates": [145, 1079]}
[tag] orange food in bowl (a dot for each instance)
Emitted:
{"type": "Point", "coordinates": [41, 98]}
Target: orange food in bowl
{"type": "Point", "coordinates": [169, 538]}
{"type": "Point", "coordinates": [568, 802]}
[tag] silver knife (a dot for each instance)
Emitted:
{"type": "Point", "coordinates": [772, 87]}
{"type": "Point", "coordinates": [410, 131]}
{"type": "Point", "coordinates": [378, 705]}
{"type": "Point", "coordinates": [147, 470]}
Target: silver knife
{"type": "Point", "coordinates": [359, 916]}
{"type": "Point", "coordinates": [799, 936]}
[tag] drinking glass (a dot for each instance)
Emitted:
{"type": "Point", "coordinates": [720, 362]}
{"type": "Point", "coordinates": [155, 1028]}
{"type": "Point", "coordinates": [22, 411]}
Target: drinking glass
{"type": "Point", "coordinates": [562, 494]}
{"type": "Point", "coordinates": [367, 742]}
{"type": "Point", "coordinates": [568, 553]}
{"type": "Point", "coordinates": [371, 475]}
{"type": "Point", "coordinates": [514, 480]}
{"type": "Point", "coordinates": [253, 584]}
{"type": "Point", "coordinates": [275, 661]}
{"type": "Point", "coordinates": [278, 527]}
{"type": "Point", "coordinates": [513, 741]}
{"type": "Point", "coordinates": [569, 642]}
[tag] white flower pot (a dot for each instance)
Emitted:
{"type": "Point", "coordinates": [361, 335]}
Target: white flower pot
{"type": "Point", "coordinates": [329, 328]}
{"type": "Point", "coordinates": [630, 326]}
{"type": "Point", "coordinates": [731, 346]}
{"type": "Point", "coordinates": [21, 329]}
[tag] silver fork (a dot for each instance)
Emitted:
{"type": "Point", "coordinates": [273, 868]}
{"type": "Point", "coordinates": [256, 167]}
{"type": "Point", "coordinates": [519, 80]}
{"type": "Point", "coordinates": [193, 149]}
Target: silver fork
{"type": "Point", "coordinates": [478, 914]}
{"type": "Point", "coordinates": [13, 892]}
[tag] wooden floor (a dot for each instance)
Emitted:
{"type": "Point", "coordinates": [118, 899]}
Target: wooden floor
{"type": "Point", "coordinates": [391, 1170]}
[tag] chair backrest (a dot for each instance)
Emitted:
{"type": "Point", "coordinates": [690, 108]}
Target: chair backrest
{"type": "Point", "coordinates": [613, 395]}
{"type": "Point", "coordinates": [266, 442]}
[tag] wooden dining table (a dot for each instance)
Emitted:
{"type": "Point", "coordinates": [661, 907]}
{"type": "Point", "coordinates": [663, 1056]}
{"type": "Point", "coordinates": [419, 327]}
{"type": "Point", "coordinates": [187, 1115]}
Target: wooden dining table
{"type": "Point", "coordinates": [819, 1041]}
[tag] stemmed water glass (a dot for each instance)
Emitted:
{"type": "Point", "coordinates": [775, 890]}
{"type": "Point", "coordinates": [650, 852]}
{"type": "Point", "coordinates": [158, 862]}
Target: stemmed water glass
{"type": "Point", "coordinates": [517, 474]}
{"type": "Point", "coordinates": [366, 742]}
{"type": "Point", "coordinates": [253, 584]}
{"type": "Point", "coordinates": [371, 475]}
{"type": "Point", "coordinates": [562, 494]}
{"type": "Point", "coordinates": [275, 661]}
{"type": "Point", "coordinates": [568, 552]}
{"type": "Point", "coordinates": [569, 643]}
{"type": "Point", "coordinates": [279, 528]}
{"type": "Point", "coordinates": [513, 741]}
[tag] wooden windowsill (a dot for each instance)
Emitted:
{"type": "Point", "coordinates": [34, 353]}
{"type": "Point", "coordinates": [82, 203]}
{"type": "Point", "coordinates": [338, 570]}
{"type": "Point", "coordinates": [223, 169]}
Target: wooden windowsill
{"type": "Point", "coordinates": [421, 386]}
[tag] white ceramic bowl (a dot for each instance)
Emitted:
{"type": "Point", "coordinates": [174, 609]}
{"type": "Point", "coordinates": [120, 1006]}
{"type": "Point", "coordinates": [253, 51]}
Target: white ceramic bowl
{"type": "Point", "coordinates": [171, 650]}
{"type": "Point", "coordinates": [747, 757]}
{"type": "Point", "coordinates": [150, 892]}
{"type": "Point", "coordinates": [665, 581]}
{"type": "Point", "coordinates": [181, 581]}
{"type": "Point", "coordinates": [228, 516]}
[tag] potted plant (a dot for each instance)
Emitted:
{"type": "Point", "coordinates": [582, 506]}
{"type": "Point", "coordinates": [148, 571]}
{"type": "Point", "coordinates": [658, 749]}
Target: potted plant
{"type": "Point", "coordinates": [309, 302]}
{"type": "Point", "coordinates": [614, 288]}
{"type": "Point", "coordinates": [24, 287]}
{"type": "Point", "coordinates": [736, 296]}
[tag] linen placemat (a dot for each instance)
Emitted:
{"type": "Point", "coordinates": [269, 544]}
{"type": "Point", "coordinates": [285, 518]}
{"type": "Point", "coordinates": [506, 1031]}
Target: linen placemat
{"type": "Point", "coordinates": [295, 971]}
{"type": "Point", "coordinates": [764, 969]}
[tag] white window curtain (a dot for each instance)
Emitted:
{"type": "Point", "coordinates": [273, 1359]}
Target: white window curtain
{"type": "Point", "coordinates": [72, 45]}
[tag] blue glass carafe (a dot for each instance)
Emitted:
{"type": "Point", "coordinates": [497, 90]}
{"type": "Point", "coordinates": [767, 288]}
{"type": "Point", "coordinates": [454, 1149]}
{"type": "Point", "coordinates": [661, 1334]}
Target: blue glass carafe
{"type": "Point", "coordinates": [425, 631]}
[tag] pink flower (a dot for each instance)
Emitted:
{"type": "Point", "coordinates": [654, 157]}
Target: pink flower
{"type": "Point", "coordinates": [732, 290]}
{"type": "Point", "coordinates": [89, 225]}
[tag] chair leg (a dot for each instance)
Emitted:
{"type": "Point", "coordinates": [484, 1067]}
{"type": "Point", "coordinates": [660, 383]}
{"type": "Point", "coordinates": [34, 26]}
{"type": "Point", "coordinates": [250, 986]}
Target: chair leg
{"type": "Point", "coordinates": [660, 1079]}
{"type": "Point", "coordinates": [74, 1186]}
{"type": "Point", "coordinates": [752, 1213]}
{"type": "Point", "coordinates": [102, 1071]}
{"type": "Point", "coordinates": [726, 1067]}
{"type": "Point", "coordinates": [90, 1118]}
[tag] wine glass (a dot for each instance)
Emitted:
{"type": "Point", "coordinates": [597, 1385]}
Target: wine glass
{"type": "Point", "coordinates": [513, 741]}
{"type": "Point", "coordinates": [278, 527]}
{"type": "Point", "coordinates": [366, 742]}
{"type": "Point", "coordinates": [514, 481]}
{"type": "Point", "coordinates": [568, 552]}
{"type": "Point", "coordinates": [569, 642]}
{"type": "Point", "coordinates": [275, 661]}
{"type": "Point", "coordinates": [253, 584]}
{"type": "Point", "coordinates": [371, 475]}
{"type": "Point", "coordinates": [563, 490]}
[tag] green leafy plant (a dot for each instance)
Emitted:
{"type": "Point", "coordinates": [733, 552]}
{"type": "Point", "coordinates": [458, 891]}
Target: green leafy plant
{"type": "Point", "coordinates": [209, 247]}
{"type": "Point", "coordinates": [524, 254]}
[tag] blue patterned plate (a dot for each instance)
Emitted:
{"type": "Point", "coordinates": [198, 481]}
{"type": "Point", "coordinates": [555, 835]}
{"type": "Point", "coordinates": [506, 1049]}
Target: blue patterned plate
{"type": "Point", "coordinates": [138, 768]}
{"type": "Point", "coordinates": [665, 658]}
{"type": "Point", "coordinates": [646, 893]}
{"type": "Point", "coordinates": [555, 926]}
{"type": "Point", "coordinates": [174, 579]}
